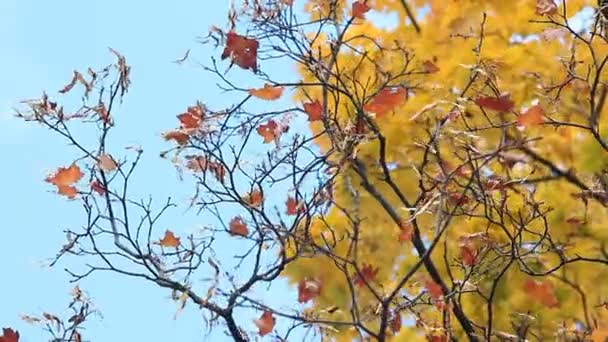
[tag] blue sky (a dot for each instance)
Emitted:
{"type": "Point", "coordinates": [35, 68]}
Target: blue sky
{"type": "Point", "coordinates": [42, 42]}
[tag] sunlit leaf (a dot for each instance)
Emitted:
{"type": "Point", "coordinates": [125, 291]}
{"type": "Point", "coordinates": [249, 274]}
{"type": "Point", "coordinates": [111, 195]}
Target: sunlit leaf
{"type": "Point", "coordinates": [241, 50]}
{"type": "Point", "coordinates": [268, 92]}
{"type": "Point", "coordinates": [314, 110]}
{"type": "Point", "coordinates": [265, 323]}
{"type": "Point", "coordinates": [386, 100]}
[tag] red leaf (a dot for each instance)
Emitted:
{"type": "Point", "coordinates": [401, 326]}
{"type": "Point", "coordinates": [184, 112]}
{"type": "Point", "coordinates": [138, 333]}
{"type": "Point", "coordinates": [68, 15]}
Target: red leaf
{"type": "Point", "coordinates": [268, 131]}
{"type": "Point", "coordinates": [98, 187]}
{"type": "Point", "coordinates": [386, 100]}
{"type": "Point", "coordinates": [265, 323]}
{"type": "Point", "coordinates": [468, 255]}
{"type": "Point", "coordinates": [241, 50]}
{"type": "Point", "coordinates": [532, 116]}
{"type": "Point", "coordinates": [254, 199]}
{"type": "Point", "coordinates": [499, 104]}
{"type": "Point", "coordinates": [365, 275]}
{"type": "Point", "coordinates": [294, 207]}
{"type": "Point", "coordinates": [395, 322]}
{"type": "Point", "coordinates": [169, 240]}
{"type": "Point", "coordinates": [9, 335]}
{"type": "Point", "coordinates": [308, 289]}
{"type": "Point", "coordinates": [546, 7]}
{"type": "Point", "coordinates": [238, 227]}
{"type": "Point", "coordinates": [359, 9]}
{"type": "Point", "coordinates": [406, 232]}
{"type": "Point", "coordinates": [430, 67]}
{"type": "Point", "coordinates": [269, 92]}
{"type": "Point", "coordinates": [541, 291]}
{"type": "Point", "coordinates": [434, 289]}
{"type": "Point", "coordinates": [314, 110]}
{"type": "Point", "coordinates": [192, 118]}
{"type": "Point", "coordinates": [180, 137]}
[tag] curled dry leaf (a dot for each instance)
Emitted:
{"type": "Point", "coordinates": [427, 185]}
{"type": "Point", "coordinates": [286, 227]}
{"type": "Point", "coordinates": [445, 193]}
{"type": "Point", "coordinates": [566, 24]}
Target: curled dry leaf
{"type": "Point", "coordinates": [268, 92]}
{"type": "Point", "coordinates": [265, 323]}
{"type": "Point", "coordinates": [241, 50]}
{"type": "Point", "coordinates": [386, 100]}
{"type": "Point", "coordinates": [9, 335]}
{"type": "Point", "coordinates": [238, 227]}
{"type": "Point", "coordinates": [314, 110]}
{"type": "Point", "coordinates": [308, 289]}
{"type": "Point", "coordinates": [106, 162]}
{"type": "Point", "coordinates": [98, 187]}
{"type": "Point", "coordinates": [360, 8]}
{"type": "Point", "coordinates": [169, 240]}
{"type": "Point", "coordinates": [64, 178]}
{"type": "Point", "coordinates": [499, 104]}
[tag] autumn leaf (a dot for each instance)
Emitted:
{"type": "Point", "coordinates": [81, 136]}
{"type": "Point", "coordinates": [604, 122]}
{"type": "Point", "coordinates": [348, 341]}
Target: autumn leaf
{"type": "Point", "coordinates": [268, 131]}
{"type": "Point", "coordinates": [169, 240]}
{"type": "Point", "coordinates": [360, 8]}
{"type": "Point", "coordinates": [308, 289]}
{"type": "Point", "coordinates": [218, 170]}
{"type": "Point", "coordinates": [77, 77]}
{"type": "Point", "coordinates": [430, 67]}
{"type": "Point", "coordinates": [180, 137]}
{"type": "Point", "coordinates": [241, 50]}
{"type": "Point", "coordinates": [406, 231]}
{"type": "Point", "coordinates": [499, 104]}
{"type": "Point", "coordinates": [196, 163]}
{"type": "Point", "coordinates": [365, 275]}
{"type": "Point", "coordinates": [395, 322]}
{"type": "Point", "coordinates": [599, 334]}
{"type": "Point", "coordinates": [106, 162]}
{"type": "Point", "coordinates": [268, 92]}
{"type": "Point", "coordinates": [541, 291]}
{"type": "Point", "coordinates": [238, 227]}
{"type": "Point", "coordinates": [294, 206]}
{"type": "Point", "coordinates": [254, 199]}
{"type": "Point", "coordinates": [468, 255]}
{"type": "Point", "coordinates": [9, 335]}
{"type": "Point", "coordinates": [433, 289]}
{"type": "Point", "coordinates": [314, 110]}
{"type": "Point", "coordinates": [192, 118]}
{"type": "Point", "coordinates": [546, 7]}
{"type": "Point", "coordinates": [98, 187]}
{"type": "Point", "coordinates": [265, 323]}
{"type": "Point", "coordinates": [386, 100]}
{"type": "Point", "coordinates": [532, 116]}
{"type": "Point", "coordinates": [64, 178]}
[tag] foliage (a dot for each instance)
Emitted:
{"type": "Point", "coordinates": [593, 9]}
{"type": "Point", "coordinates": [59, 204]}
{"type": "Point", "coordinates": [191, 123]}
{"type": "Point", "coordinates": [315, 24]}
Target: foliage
{"type": "Point", "coordinates": [454, 183]}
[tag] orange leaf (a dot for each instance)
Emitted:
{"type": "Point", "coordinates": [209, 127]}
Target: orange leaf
{"type": "Point", "coordinates": [468, 255]}
{"type": "Point", "coordinates": [265, 323]}
{"type": "Point", "coordinates": [308, 289]}
{"type": "Point", "coordinates": [106, 162]}
{"type": "Point", "coordinates": [430, 67]}
{"type": "Point", "coordinates": [546, 7]}
{"type": "Point", "coordinates": [9, 335]}
{"type": "Point", "coordinates": [406, 231]}
{"type": "Point", "coordinates": [169, 240]}
{"type": "Point", "coordinates": [269, 92]}
{"type": "Point", "coordinates": [238, 227]}
{"type": "Point", "coordinates": [367, 274]}
{"type": "Point", "coordinates": [541, 291]}
{"type": "Point", "coordinates": [499, 104]}
{"type": "Point", "coordinates": [241, 50]}
{"type": "Point", "coordinates": [98, 187]}
{"type": "Point", "coordinates": [314, 110]}
{"type": "Point", "coordinates": [386, 100]}
{"type": "Point", "coordinates": [180, 137]}
{"type": "Point", "coordinates": [294, 207]}
{"type": "Point", "coordinates": [268, 131]}
{"type": "Point", "coordinates": [196, 163]}
{"type": "Point", "coordinates": [192, 118]}
{"type": "Point", "coordinates": [64, 178]}
{"type": "Point", "coordinates": [434, 289]}
{"type": "Point", "coordinates": [359, 9]}
{"type": "Point", "coordinates": [532, 116]}
{"type": "Point", "coordinates": [254, 199]}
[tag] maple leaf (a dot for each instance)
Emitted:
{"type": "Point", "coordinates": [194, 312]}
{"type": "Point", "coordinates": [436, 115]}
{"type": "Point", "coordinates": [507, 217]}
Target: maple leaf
{"type": "Point", "coordinates": [106, 162]}
{"type": "Point", "coordinates": [265, 323]}
{"type": "Point", "coordinates": [314, 110]}
{"type": "Point", "coordinates": [98, 187]}
{"type": "Point", "coordinates": [433, 288]}
{"type": "Point", "coordinates": [9, 335]}
{"type": "Point", "coordinates": [238, 227]}
{"type": "Point", "coordinates": [395, 322]}
{"type": "Point", "coordinates": [254, 199]}
{"type": "Point", "coordinates": [268, 131]}
{"type": "Point", "coordinates": [360, 8]}
{"type": "Point", "coordinates": [386, 100]}
{"type": "Point", "coordinates": [365, 275]}
{"type": "Point", "coordinates": [406, 231]}
{"type": "Point", "coordinates": [430, 67]}
{"type": "Point", "coordinates": [242, 51]}
{"type": "Point", "coordinates": [532, 116]}
{"type": "Point", "coordinates": [169, 240]}
{"type": "Point", "coordinates": [468, 255]}
{"type": "Point", "coordinates": [294, 206]}
{"type": "Point", "coordinates": [179, 136]}
{"type": "Point", "coordinates": [599, 334]}
{"type": "Point", "coordinates": [499, 104]}
{"type": "Point", "coordinates": [546, 7]}
{"type": "Point", "coordinates": [268, 92]}
{"type": "Point", "coordinates": [192, 118]}
{"type": "Point", "coordinates": [308, 289]}
{"type": "Point", "coordinates": [541, 291]}
{"type": "Point", "coordinates": [64, 178]}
